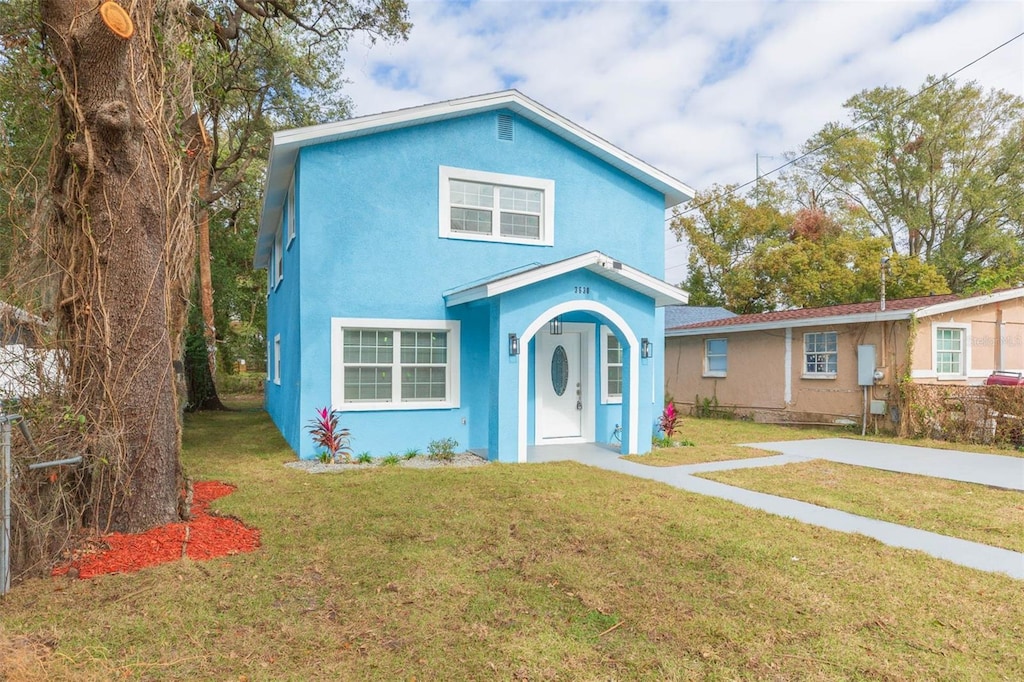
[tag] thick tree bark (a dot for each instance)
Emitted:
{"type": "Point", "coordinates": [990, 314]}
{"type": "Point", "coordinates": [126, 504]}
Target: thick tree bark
{"type": "Point", "coordinates": [203, 388]}
{"type": "Point", "coordinates": [122, 235]}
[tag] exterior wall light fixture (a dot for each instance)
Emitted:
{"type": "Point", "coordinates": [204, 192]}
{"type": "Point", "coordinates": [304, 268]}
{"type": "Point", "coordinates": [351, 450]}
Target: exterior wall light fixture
{"type": "Point", "coordinates": [645, 347]}
{"type": "Point", "coordinates": [513, 344]}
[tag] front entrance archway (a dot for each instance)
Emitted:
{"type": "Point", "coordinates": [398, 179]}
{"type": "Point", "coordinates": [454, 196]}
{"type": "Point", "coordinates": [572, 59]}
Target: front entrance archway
{"type": "Point", "coordinates": [630, 398]}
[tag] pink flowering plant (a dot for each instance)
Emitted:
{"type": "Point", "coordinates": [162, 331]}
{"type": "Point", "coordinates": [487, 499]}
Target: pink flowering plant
{"type": "Point", "coordinates": [669, 418]}
{"type": "Point", "coordinates": [328, 435]}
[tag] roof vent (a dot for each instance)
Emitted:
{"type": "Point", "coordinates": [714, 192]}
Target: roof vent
{"type": "Point", "coordinates": [505, 127]}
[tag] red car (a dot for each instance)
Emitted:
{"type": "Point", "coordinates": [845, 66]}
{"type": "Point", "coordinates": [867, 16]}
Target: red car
{"type": "Point", "coordinates": [1000, 378]}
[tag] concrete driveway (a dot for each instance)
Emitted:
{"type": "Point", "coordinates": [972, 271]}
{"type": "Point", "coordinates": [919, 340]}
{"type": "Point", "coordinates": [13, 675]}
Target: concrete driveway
{"type": "Point", "coordinates": [1005, 472]}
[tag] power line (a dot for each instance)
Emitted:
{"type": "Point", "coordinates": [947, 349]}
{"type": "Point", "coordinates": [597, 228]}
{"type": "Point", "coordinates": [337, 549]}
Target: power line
{"type": "Point", "coordinates": [842, 135]}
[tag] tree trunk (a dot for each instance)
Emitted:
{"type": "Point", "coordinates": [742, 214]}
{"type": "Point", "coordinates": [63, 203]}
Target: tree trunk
{"type": "Point", "coordinates": [203, 380]}
{"type": "Point", "coordinates": [122, 236]}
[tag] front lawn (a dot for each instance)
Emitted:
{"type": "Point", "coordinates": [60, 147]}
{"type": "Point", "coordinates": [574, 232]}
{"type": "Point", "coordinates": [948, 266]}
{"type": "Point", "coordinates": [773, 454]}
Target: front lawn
{"type": "Point", "coordinates": [992, 516]}
{"type": "Point", "coordinates": [508, 572]}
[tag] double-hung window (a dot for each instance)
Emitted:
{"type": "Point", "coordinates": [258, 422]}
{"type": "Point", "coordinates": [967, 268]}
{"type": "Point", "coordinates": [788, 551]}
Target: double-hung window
{"type": "Point", "coordinates": [291, 212]}
{"type": "Point", "coordinates": [950, 351]}
{"type": "Point", "coordinates": [277, 359]}
{"type": "Point", "coordinates": [821, 355]}
{"type": "Point", "coordinates": [395, 364]}
{"type": "Point", "coordinates": [278, 257]}
{"type": "Point", "coordinates": [496, 207]}
{"type": "Point", "coordinates": [715, 356]}
{"type": "Point", "coordinates": [611, 367]}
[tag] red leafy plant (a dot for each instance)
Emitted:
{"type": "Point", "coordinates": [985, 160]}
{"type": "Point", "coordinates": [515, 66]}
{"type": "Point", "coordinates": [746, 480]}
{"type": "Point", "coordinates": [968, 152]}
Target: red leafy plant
{"type": "Point", "coordinates": [328, 435]}
{"type": "Point", "coordinates": [669, 418]}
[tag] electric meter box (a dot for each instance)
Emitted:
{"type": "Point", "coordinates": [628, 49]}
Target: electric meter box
{"type": "Point", "coordinates": [865, 365]}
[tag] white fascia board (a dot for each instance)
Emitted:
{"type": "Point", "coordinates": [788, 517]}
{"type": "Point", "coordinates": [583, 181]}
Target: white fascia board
{"type": "Point", "coordinates": [837, 320]}
{"type": "Point", "coordinates": [961, 304]}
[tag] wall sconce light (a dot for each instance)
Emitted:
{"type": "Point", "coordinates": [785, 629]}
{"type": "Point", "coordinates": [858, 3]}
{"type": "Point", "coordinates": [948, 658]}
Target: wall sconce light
{"type": "Point", "coordinates": [555, 326]}
{"type": "Point", "coordinates": [645, 347]}
{"type": "Point", "coordinates": [513, 344]}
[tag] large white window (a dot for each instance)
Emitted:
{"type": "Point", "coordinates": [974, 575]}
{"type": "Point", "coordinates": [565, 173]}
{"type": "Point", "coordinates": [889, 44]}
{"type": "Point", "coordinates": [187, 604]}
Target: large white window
{"type": "Point", "coordinates": [950, 357]}
{"type": "Point", "coordinates": [611, 367]}
{"type": "Point", "coordinates": [291, 212]}
{"type": "Point", "coordinates": [715, 357]}
{"type": "Point", "coordinates": [821, 355]}
{"type": "Point", "coordinates": [496, 207]}
{"type": "Point", "coordinates": [395, 364]}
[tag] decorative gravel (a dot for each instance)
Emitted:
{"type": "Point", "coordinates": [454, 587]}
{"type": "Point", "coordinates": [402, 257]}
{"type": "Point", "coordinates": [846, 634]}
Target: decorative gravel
{"type": "Point", "coordinates": [464, 459]}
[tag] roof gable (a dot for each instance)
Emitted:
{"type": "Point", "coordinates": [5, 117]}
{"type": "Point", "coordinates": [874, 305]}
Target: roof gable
{"type": "Point", "coordinates": [662, 292]}
{"type": "Point", "coordinates": [851, 313]}
{"type": "Point", "coordinates": [286, 144]}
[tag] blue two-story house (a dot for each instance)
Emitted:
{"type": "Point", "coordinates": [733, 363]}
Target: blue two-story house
{"type": "Point", "coordinates": [480, 269]}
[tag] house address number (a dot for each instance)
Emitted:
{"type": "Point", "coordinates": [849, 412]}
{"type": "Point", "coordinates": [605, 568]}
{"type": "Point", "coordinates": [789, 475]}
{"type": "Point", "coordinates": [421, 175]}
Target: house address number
{"type": "Point", "coordinates": [581, 290]}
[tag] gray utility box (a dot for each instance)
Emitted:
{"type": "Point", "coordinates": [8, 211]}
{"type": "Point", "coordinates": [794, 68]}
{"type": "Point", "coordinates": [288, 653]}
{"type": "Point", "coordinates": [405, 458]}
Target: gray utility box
{"type": "Point", "coordinates": [866, 365]}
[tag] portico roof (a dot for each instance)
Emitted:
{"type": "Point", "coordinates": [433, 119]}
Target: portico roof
{"type": "Point", "coordinates": [596, 262]}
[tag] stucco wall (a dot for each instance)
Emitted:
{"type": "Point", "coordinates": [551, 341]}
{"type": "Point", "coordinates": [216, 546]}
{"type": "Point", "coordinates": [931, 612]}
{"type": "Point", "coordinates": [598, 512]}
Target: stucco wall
{"type": "Point", "coordinates": [756, 384]}
{"type": "Point", "coordinates": [368, 226]}
{"type": "Point", "coordinates": [995, 340]}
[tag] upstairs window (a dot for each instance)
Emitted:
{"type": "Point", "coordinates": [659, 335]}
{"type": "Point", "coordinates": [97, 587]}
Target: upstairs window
{"type": "Point", "coordinates": [821, 355]}
{"type": "Point", "coordinates": [291, 212]}
{"type": "Point", "coordinates": [494, 207]}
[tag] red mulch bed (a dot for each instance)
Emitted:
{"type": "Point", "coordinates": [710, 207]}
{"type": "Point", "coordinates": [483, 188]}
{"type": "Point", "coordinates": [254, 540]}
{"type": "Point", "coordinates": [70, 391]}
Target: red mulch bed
{"type": "Point", "coordinates": [204, 537]}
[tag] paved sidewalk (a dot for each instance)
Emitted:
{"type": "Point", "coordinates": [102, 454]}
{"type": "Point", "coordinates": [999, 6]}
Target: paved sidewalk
{"type": "Point", "coordinates": [963, 552]}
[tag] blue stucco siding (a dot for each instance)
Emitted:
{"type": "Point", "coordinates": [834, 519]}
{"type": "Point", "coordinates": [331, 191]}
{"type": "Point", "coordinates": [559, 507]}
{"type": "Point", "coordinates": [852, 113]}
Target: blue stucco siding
{"type": "Point", "coordinates": [368, 246]}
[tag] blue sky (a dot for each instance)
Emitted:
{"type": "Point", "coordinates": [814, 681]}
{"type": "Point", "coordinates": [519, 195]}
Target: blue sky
{"type": "Point", "coordinates": [694, 88]}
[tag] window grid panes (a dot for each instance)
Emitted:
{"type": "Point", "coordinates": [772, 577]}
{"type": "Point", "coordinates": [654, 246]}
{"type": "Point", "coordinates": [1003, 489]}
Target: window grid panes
{"type": "Point", "coordinates": [614, 366]}
{"type": "Point", "coordinates": [821, 353]}
{"type": "Point", "coordinates": [372, 366]}
{"type": "Point", "coordinates": [949, 348]}
{"type": "Point", "coordinates": [715, 355]}
{"type": "Point", "coordinates": [520, 210]}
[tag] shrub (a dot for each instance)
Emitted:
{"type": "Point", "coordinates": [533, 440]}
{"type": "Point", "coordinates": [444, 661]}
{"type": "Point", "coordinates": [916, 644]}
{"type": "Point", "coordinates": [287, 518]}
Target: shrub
{"type": "Point", "coordinates": [390, 460]}
{"type": "Point", "coordinates": [412, 452]}
{"type": "Point", "coordinates": [364, 457]}
{"type": "Point", "coordinates": [328, 435]}
{"type": "Point", "coordinates": [442, 450]}
{"type": "Point", "coordinates": [669, 418]}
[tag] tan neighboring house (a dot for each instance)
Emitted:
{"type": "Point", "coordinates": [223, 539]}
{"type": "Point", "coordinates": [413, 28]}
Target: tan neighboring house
{"type": "Point", "coordinates": [802, 365]}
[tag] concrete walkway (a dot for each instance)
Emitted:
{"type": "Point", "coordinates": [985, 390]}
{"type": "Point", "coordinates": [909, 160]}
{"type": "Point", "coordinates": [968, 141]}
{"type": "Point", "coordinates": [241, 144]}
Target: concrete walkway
{"type": "Point", "coordinates": [990, 468]}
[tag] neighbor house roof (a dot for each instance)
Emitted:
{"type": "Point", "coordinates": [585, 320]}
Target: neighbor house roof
{"type": "Point", "coordinates": [662, 292]}
{"type": "Point", "coordinates": [286, 144]}
{"type": "Point", "coordinates": [851, 313]}
{"type": "Point", "coordinates": [680, 315]}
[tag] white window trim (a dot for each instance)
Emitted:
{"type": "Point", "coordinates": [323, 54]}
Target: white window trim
{"type": "Point", "coordinates": [277, 359]}
{"type": "Point", "coordinates": [291, 212]}
{"type": "Point", "coordinates": [803, 358]}
{"type": "Point", "coordinates": [607, 399]}
{"type": "Point", "coordinates": [965, 352]}
{"type": "Point", "coordinates": [448, 173]}
{"type": "Point", "coordinates": [716, 373]}
{"type": "Point", "coordinates": [338, 327]}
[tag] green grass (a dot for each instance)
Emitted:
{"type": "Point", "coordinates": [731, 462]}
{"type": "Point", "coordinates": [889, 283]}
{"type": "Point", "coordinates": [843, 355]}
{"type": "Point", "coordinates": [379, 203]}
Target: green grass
{"type": "Point", "coordinates": [555, 571]}
{"type": "Point", "coordinates": [964, 510]}
{"type": "Point", "coordinates": [717, 440]}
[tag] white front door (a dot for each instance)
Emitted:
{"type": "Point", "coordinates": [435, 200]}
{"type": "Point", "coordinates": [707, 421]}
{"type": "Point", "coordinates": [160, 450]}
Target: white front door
{"type": "Point", "coordinates": [561, 388]}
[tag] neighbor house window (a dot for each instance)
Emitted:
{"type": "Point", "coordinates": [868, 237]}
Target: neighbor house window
{"type": "Point", "coordinates": [950, 351]}
{"type": "Point", "coordinates": [291, 212]}
{"type": "Point", "coordinates": [277, 359]}
{"type": "Point", "coordinates": [395, 364]}
{"type": "Point", "coordinates": [821, 354]}
{"type": "Point", "coordinates": [496, 207]}
{"type": "Point", "coordinates": [715, 357]}
{"type": "Point", "coordinates": [611, 367]}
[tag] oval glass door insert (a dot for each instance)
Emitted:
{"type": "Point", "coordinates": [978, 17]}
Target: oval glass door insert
{"type": "Point", "coordinates": [559, 370]}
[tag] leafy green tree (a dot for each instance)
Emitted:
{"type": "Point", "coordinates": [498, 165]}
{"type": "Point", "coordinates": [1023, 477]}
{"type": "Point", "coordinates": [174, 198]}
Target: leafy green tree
{"type": "Point", "coordinates": [938, 176]}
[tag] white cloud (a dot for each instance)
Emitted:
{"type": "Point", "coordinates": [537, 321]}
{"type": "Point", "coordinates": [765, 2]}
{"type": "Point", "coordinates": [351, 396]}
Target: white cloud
{"type": "Point", "coordinates": [695, 88]}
